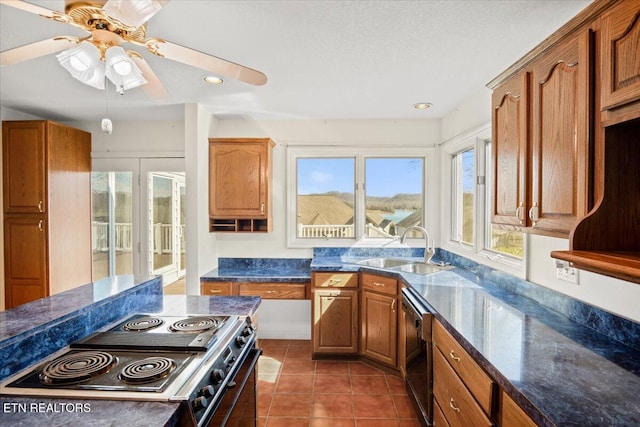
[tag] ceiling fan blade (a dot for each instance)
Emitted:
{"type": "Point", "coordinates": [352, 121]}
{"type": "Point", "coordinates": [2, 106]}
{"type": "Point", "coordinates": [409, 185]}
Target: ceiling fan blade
{"type": "Point", "coordinates": [37, 49]}
{"type": "Point", "coordinates": [133, 13]}
{"type": "Point", "coordinates": [153, 88]}
{"type": "Point", "coordinates": [205, 61]}
{"type": "Point", "coordinates": [37, 10]}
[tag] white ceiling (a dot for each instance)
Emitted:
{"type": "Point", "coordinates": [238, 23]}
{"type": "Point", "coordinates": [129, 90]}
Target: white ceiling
{"type": "Point", "coordinates": [323, 59]}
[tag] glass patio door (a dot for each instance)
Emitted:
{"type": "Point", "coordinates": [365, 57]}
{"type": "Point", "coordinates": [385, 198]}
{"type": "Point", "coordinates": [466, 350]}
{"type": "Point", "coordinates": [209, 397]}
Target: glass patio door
{"type": "Point", "coordinates": [164, 180]}
{"type": "Point", "coordinates": [114, 219]}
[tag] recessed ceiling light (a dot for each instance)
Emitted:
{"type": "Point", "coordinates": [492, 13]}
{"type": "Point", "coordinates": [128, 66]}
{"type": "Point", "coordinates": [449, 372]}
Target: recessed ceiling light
{"type": "Point", "coordinates": [422, 105]}
{"type": "Point", "coordinates": [214, 80]}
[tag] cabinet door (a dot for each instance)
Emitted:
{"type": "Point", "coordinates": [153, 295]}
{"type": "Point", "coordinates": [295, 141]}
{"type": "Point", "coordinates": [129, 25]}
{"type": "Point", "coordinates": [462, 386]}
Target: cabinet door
{"type": "Point", "coordinates": [620, 59]}
{"type": "Point", "coordinates": [24, 167]}
{"type": "Point", "coordinates": [510, 141]}
{"type": "Point", "coordinates": [379, 332]}
{"type": "Point", "coordinates": [511, 415]}
{"type": "Point", "coordinates": [560, 150]}
{"type": "Point", "coordinates": [238, 175]}
{"type": "Point", "coordinates": [25, 260]}
{"type": "Point", "coordinates": [335, 321]}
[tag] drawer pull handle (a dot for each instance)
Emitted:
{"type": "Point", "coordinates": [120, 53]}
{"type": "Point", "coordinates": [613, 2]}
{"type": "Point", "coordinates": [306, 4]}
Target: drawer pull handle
{"type": "Point", "coordinates": [215, 291]}
{"type": "Point", "coordinates": [335, 280]}
{"type": "Point", "coordinates": [453, 356]}
{"type": "Point", "coordinates": [378, 284]}
{"type": "Point", "coordinates": [451, 403]}
{"type": "Point", "coordinates": [271, 292]}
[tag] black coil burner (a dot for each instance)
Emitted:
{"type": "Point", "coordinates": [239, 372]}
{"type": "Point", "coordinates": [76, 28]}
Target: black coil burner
{"type": "Point", "coordinates": [142, 324]}
{"type": "Point", "coordinates": [147, 370]}
{"type": "Point", "coordinates": [194, 324]}
{"type": "Point", "coordinates": [77, 367]}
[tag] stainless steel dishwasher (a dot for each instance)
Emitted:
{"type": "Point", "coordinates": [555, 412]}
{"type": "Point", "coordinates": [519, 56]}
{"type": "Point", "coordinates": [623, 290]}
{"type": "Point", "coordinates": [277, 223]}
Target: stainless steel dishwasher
{"type": "Point", "coordinates": [419, 353]}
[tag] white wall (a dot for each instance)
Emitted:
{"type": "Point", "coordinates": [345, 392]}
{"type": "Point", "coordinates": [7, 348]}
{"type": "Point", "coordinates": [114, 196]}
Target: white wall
{"type": "Point", "coordinates": [309, 132]}
{"type": "Point", "coordinates": [616, 296]}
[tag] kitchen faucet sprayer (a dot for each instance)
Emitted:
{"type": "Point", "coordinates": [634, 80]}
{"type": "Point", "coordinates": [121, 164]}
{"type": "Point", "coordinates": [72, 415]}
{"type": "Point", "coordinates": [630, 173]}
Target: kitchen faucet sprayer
{"type": "Point", "coordinates": [429, 251]}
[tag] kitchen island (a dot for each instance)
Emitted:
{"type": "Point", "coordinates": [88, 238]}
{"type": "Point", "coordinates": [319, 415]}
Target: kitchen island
{"type": "Point", "coordinates": [26, 411]}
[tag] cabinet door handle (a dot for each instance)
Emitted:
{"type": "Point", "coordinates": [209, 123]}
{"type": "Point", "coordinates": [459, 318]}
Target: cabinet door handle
{"type": "Point", "coordinates": [393, 305]}
{"type": "Point", "coordinates": [41, 225]}
{"type": "Point", "coordinates": [534, 213]}
{"type": "Point", "coordinates": [40, 205]}
{"type": "Point", "coordinates": [453, 406]}
{"type": "Point", "coordinates": [453, 356]}
{"type": "Point", "coordinates": [520, 213]}
{"type": "Point", "coordinates": [262, 209]}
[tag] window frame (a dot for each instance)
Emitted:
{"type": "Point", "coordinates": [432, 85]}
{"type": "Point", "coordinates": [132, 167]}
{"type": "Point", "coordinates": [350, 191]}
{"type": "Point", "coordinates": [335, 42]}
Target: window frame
{"type": "Point", "coordinates": [360, 154]}
{"type": "Point", "coordinates": [478, 139]}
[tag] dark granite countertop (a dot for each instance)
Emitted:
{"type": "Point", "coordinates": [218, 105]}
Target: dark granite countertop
{"type": "Point", "coordinates": [561, 372]}
{"type": "Point", "coordinates": [24, 411]}
{"type": "Point", "coordinates": [285, 270]}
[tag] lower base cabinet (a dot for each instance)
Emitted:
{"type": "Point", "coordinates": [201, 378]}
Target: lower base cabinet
{"type": "Point", "coordinates": [511, 415]}
{"type": "Point", "coordinates": [379, 331]}
{"type": "Point", "coordinates": [335, 321]}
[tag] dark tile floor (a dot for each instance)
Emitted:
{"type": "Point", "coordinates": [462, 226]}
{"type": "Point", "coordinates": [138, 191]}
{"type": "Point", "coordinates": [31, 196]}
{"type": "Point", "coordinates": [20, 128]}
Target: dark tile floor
{"type": "Point", "coordinates": [295, 391]}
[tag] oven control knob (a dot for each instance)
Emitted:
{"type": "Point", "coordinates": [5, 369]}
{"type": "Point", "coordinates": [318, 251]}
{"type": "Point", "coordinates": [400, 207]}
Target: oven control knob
{"type": "Point", "coordinates": [231, 362]}
{"type": "Point", "coordinates": [199, 403]}
{"type": "Point", "coordinates": [240, 341]}
{"type": "Point", "coordinates": [248, 331]}
{"type": "Point", "coordinates": [217, 375]}
{"type": "Point", "coordinates": [207, 391]}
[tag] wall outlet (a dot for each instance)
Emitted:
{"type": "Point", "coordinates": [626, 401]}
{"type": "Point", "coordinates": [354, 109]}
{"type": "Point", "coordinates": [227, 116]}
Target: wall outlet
{"type": "Point", "coordinates": [566, 273]}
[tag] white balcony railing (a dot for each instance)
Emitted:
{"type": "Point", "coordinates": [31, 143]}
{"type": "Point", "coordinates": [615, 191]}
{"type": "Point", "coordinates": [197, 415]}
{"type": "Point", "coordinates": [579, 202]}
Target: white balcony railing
{"type": "Point", "coordinates": [162, 237]}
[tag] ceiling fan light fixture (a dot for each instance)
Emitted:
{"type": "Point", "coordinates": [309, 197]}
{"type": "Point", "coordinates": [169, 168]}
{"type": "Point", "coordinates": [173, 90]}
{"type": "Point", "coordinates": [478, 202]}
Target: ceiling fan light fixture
{"type": "Point", "coordinates": [121, 70]}
{"type": "Point", "coordinates": [132, 12]}
{"type": "Point", "coordinates": [83, 63]}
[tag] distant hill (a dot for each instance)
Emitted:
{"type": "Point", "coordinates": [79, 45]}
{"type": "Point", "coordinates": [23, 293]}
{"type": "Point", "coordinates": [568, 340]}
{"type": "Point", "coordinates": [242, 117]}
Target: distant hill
{"type": "Point", "coordinates": [400, 201]}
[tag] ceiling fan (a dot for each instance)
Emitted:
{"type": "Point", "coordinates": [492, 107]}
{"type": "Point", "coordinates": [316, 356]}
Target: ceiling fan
{"type": "Point", "coordinates": [109, 24]}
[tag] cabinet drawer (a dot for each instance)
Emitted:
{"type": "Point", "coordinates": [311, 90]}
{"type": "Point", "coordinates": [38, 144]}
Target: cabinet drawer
{"type": "Point", "coordinates": [439, 419]}
{"type": "Point", "coordinates": [480, 385]}
{"type": "Point", "coordinates": [385, 285]}
{"type": "Point", "coordinates": [335, 280]}
{"type": "Point", "coordinates": [456, 402]}
{"type": "Point", "coordinates": [511, 415]}
{"type": "Point", "coordinates": [216, 288]}
{"type": "Point", "coordinates": [273, 290]}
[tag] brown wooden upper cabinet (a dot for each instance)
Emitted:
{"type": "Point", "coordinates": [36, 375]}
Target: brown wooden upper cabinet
{"type": "Point", "coordinates": [542, 141]}
{"type": "Point", "coordinates": [620, 45]}
{"type": "Point", "coordinates": [561, 94]}
{"type": "Point", "coordinates": [239, 184]}
{"type": "Point", "coordinates": [47, 209]}
{"type": "Point", "coordinates": [510, 145]}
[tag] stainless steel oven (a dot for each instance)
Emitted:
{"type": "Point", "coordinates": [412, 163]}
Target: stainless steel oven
{"type": "Point", "coordinates": [419, 353]}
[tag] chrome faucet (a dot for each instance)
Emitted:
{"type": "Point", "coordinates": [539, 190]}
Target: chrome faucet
{"type": "Point", "coordinates": [428, 251]}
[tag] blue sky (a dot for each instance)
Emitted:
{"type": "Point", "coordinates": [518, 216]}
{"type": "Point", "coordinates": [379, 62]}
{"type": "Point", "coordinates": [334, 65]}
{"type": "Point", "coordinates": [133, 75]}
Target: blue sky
{"type": "Point", "coordinates": [384, 177]}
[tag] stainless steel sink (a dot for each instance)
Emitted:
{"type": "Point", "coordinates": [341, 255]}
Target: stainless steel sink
{"type": "Point", "coordinates": [422, 268]}
{"type": "Point", "coordinates": [384, 262]}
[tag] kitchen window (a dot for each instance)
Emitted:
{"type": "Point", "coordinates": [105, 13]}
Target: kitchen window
{"type": "Point", "coordinates": [363, 194]}
{"type": "Point", "coordinates": [467, 174]}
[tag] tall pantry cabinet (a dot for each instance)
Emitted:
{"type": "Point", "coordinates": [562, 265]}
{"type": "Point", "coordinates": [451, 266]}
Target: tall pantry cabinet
{"type": "Point", "coordinates": [47, 209]}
